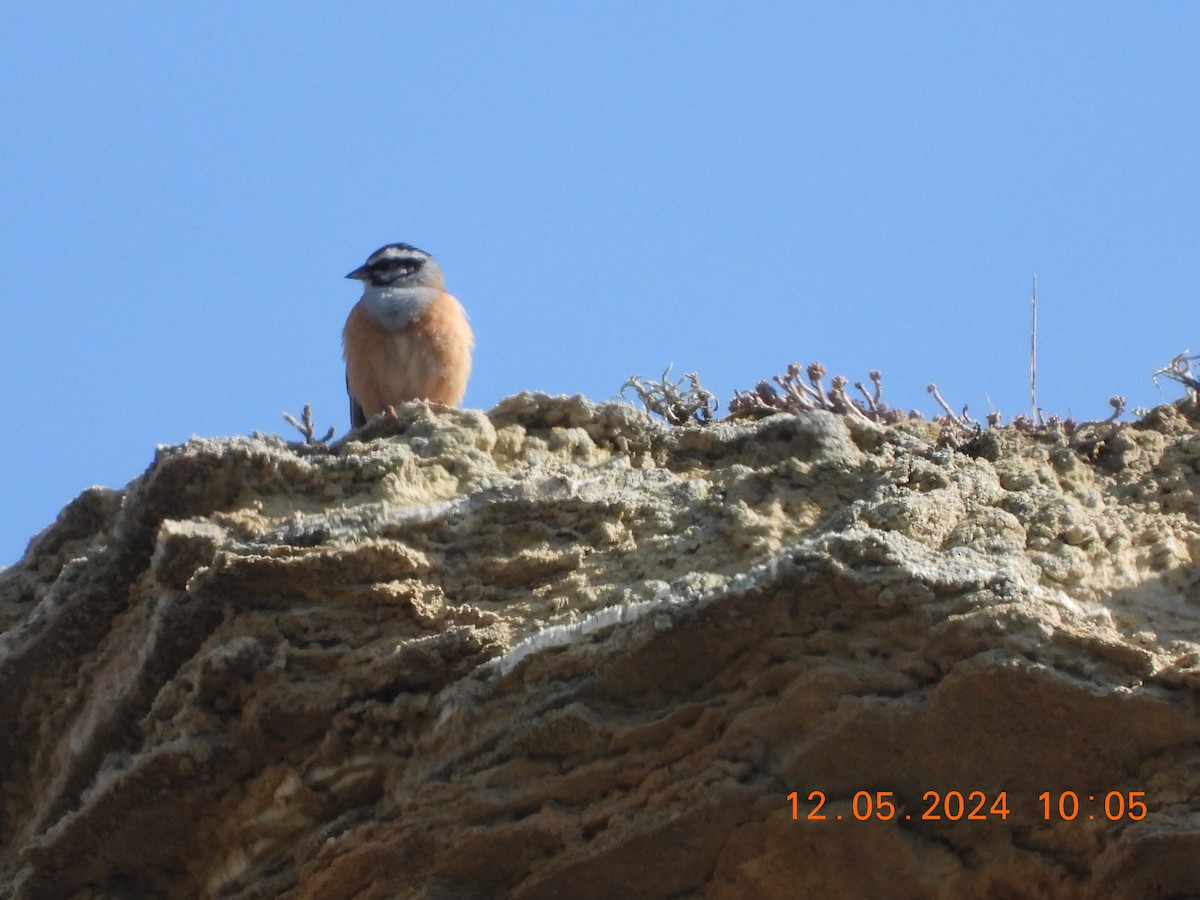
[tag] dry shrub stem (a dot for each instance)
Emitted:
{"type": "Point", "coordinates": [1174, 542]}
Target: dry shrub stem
{"type": "Point", "coordinates": [305, 426]}
{"type": "Point", "coordinates": [802, 389]}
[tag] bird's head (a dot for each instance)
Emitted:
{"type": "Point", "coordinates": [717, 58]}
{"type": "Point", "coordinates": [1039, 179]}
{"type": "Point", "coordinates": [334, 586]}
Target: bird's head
{"type": "Point", "coordinates": [399, 265]}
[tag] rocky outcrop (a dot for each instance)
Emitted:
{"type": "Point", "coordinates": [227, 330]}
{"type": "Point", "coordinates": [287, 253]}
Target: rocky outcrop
{"type": "Point", "coordinates": [558, 650]}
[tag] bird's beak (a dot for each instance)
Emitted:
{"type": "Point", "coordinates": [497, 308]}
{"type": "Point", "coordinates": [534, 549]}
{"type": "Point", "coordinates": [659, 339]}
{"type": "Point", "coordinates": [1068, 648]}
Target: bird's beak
{"type": "Point", "coordinates": [359, 274]}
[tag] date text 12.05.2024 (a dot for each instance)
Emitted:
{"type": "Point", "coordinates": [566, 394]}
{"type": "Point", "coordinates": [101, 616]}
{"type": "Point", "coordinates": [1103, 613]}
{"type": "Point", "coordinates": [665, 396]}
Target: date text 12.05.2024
{"type": "Point", "coordinates": [977, 806]}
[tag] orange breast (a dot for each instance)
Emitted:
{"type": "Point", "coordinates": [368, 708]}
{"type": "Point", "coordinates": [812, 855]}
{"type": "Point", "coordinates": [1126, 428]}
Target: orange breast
{"type": "Point", "coordinates": [429, 360]}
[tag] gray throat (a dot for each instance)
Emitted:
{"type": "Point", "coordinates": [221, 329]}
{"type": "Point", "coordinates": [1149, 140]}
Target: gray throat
{"type": "Point", "coordinates": [396, 307]}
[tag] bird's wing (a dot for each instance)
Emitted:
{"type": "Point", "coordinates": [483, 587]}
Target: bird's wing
{"type": "Point", "coordinates": [357, 419]}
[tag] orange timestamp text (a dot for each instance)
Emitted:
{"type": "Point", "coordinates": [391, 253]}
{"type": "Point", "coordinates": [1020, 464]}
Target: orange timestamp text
{"type": "Point", "coordinates": [1113, 806]}
{"type": "Point", "coordinates": [975, 806]}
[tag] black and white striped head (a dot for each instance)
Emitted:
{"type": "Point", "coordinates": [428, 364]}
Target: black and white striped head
{"type": "Point", "coordinates": [401, 266]}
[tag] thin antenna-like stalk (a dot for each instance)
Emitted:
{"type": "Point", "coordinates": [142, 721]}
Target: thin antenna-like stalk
{"type": "Point", "coordinates": [1037, 415]}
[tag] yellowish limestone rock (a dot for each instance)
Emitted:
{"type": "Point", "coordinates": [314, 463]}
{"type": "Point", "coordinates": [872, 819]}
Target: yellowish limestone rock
{"type": "Point", "coordinates": [559, 650]}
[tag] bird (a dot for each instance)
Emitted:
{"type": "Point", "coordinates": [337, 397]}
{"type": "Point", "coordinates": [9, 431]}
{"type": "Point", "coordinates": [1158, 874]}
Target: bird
{"type": "Point", "coordinates": [406, 338]}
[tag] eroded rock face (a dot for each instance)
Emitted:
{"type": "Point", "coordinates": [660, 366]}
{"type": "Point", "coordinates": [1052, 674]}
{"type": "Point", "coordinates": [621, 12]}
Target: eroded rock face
{"type": "Point", "coordinates": [558, 650]}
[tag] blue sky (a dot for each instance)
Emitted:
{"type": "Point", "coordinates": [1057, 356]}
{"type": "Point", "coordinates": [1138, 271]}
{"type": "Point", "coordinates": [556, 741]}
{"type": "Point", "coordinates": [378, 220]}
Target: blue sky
{"type": "Point", "coordinates": [609, 187]}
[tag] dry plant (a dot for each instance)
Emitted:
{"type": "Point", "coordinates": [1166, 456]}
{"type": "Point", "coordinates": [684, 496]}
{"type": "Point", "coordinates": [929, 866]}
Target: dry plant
{"type": "Point", "coordinates": [675, 403]}
{"type": "Point", "coordinates": [799, 393]}
{"type": "Point", "coordinates": [672, 401]}
{"type": "Point", "coordinates": [1087, 434]}
{"type": "Point", "coordinates": [305, 426]}
{"type": "Point", "coordinates": [802, 389]}
{"type": "Point", "coordinates": [1180, 369]}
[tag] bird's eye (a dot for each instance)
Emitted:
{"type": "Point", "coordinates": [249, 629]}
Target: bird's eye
{"type": "Point", "coordinates": [389, 271]}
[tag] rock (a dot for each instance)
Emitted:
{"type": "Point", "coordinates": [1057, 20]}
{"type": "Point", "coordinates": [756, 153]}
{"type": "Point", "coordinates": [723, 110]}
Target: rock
{"type": "Point", "coordinates": [558, 650]}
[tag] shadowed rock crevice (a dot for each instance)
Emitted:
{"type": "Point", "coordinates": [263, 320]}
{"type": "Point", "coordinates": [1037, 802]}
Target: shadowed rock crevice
{"type": "Point", "coordinates": [560, 650]}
